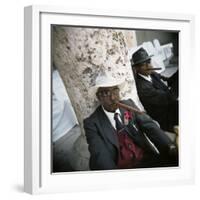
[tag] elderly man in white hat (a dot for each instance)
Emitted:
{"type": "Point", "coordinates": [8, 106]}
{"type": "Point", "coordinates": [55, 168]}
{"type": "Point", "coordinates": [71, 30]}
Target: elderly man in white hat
{"type": "Point", "coordinates": [115, 133]}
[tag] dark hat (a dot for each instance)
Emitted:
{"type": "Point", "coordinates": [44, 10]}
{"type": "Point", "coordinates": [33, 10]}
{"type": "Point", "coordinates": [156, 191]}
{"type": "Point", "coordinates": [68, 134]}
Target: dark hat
{"type": "Point", "coordinates": [140, 56]}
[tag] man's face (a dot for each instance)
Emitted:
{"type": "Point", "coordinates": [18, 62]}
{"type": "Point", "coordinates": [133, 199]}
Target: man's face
{"type": "Point", "coordinates": [144, 68]}
{"type": "Point", "coordinates": [108, 97]}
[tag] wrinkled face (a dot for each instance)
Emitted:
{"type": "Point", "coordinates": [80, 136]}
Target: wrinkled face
{"type": "Point", "coordinates": [108, 96]}
{"type": "Point", "coordinates": [144, 68]}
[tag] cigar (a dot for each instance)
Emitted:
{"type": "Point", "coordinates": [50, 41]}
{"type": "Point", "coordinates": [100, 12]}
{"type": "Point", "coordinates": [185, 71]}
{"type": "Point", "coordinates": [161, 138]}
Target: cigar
{"type": "Point", "coordinates": [158, 68]}
{"type": "Point", "coordinates": [129, 108]}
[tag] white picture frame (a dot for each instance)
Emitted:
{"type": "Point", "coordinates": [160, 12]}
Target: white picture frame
{"type": "Point", "coordinates": [37, 136]}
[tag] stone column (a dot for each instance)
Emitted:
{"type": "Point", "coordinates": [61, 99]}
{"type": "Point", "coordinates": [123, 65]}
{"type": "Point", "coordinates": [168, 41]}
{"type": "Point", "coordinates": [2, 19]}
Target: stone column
{"type": "Point", "coordinates": [80, 54]}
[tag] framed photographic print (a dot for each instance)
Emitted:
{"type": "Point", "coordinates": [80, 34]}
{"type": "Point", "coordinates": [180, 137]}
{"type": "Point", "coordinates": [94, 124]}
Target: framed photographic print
{"type": "Point", "coordinates": [81, 67]}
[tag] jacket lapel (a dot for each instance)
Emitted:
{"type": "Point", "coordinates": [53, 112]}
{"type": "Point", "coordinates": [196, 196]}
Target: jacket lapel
{"type": "Point", "coordinates": [135, 134]}
{"type": "Point", "coordinates": [157, 82]}
{"type": "Point", "coordinates": [108, 132]}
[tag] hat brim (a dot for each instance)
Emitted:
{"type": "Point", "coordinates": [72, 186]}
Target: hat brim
{"type": "Point", "coordinates": [119, 83]}
{"type": "Point", "coordinates": [142, 61]}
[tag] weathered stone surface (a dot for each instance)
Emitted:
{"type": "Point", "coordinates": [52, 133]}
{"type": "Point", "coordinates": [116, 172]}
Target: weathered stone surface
{"type": "Point", "coordinates": [80, 54]}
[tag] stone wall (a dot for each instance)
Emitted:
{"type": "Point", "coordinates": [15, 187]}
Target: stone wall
{"type": "Point", "coordinates": [80, 54]}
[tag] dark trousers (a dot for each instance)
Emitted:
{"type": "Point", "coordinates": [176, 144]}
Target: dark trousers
{"type": "Point", "coordinates": [157, 160]}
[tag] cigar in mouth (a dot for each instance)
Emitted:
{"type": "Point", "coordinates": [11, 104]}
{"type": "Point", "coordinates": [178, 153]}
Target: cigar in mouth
{"type": "Point", "coordinates": [129, 108]}
{"type": "Point", "coordinates": [158, 68]}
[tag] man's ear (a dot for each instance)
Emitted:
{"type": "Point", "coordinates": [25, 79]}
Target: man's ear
{"type": "Point", "coordinates": [97, 95]}
{"type": "Point", "coordinates": [137, 68]}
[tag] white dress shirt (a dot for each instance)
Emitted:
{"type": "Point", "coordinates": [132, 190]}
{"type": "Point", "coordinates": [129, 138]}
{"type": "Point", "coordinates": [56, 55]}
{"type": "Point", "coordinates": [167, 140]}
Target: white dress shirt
{"type": "Point", "coordinates": [110, 116]}
{"type": "Point", "coordinates": [148, 78]}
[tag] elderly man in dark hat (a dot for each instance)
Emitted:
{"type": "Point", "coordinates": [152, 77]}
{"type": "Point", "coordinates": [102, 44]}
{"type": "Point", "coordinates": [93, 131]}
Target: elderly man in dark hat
{"type": "Point", "coordinates": [159, 99]}
{"type": "Point", "coordinates": [122, 137]}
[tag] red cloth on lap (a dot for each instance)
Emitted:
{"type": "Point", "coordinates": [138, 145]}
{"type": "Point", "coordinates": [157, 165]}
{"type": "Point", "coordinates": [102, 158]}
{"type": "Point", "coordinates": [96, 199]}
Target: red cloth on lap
{"type": "Point", "coordinates": [129, 153]}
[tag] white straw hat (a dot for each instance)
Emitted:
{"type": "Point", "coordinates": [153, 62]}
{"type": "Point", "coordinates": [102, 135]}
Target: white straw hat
{"type": "Point", "coordinates": [106, 81]}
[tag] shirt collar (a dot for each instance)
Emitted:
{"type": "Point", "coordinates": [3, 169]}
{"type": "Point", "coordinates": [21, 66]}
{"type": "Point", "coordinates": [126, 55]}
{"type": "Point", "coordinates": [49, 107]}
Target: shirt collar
{"type": "Point", "coordinates": [148, 78]}
{"type": "Point", "coordinates": [110, 115]}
